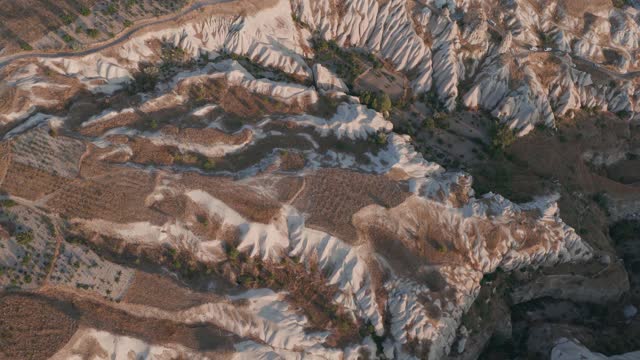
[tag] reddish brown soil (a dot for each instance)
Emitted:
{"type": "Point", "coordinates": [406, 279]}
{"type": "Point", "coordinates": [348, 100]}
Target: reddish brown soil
{"type": "Point", "coordinates": [97, 314]}
{"type": "Point", "coordinates": [332, 196]}
{"type": "Point", "coordinates": [118, 196]}
{"type": "Point", "coordinates": [287, 187]}
{"type": "Point", "coordinates": [238, 101]}
{"type": "Point", "coordinates": [31, 19]}
{"type": "Point", "coordinates": [577, 7]}
{"type": "Point", "coordinates": [144, 151]}
{"type": "Point", "coordinates": [246, 201]}
{"type": "Point", "coordinates": [291, 161]}
{"type": "Point", "coordinates": [206, 136]}
{"type": "Point", "coordinates": [162, 292]}
{"type": "Point", "coordinates": [31, 183]}
{"type": "Point", "coordinates": [33, 328]}
{"type": "Point", "coordinates": [101, 127]}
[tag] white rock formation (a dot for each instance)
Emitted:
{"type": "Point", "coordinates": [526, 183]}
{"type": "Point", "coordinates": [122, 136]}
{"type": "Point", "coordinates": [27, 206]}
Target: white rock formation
{"type": "Point", "coordinates": [350, 121]}
{"type": "Point", "coordinates": [95, 344]}
{"type": "Point", "coordinates": [326, 80]}
{"type": "Point", "coordinates": [568, 349]}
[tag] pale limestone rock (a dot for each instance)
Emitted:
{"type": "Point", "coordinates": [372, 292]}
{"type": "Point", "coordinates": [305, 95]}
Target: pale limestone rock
{"type": "Point", "coordinates": [327, 80]}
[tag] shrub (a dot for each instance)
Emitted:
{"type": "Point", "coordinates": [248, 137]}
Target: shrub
{"type": "Point", "coordinates": [385, 103]}
{"type": "Point", "coordinates": [7, 203]}
{"type": "Point", "coordinates": [429, 123]}
{"type": "Point", "coordinates": [67, 19]}
{"type": "Point", "coordinates": [93, 33]}
{"type": "Point", "coordinates": [440, 120]}
{"type": "Point", "coordinates": [202, 220]}
{"type": "Point", "coordinates": [379, 102]}
{"type": "Point", "coordinates": [85, 11]}
{"type": "Point", "coordinates": [67, 38]}
{"type": "Point", "coordinates": [380, 138]}
{"type": "Point", "coordinates": [144, 80]}
{"type": "Point", "coordinates": [25, 46]}
{"type": "Point", "coordinates": [233, 253]}
{"type": "Point", "coordinates": [502, 137]}
{"type": "Point", "coordinates": [127, 23]}
{"type": "Point", "coordinates": [110, 10]}
{"type": "Point", "coordinates": [298, 21]}
{"type": "Point", "coordinates": [625, 230]}
{"type": "Point", "coordinates": [24, 237]}
{"type": "Point", "coordinates": [208, 164]}
{"type": "Point", "coordinates": [621, 3]}
{"type": "Point", "coordinates": [431, 99]}
{"type": "Point", "coordinates": [601, 200]}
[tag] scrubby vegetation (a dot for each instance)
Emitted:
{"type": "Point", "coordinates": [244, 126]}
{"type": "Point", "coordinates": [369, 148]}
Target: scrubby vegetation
{"type": "Point", "coordinates": [172, 58]}
{"type": "Point", "coordinates": [25, 46]}
{"type": "Point", "coordinates": [625, 230]}
{"type": "Point", "coordinates": [432, 101]}
{"type": "Point", "coordinates": [144, 80]}
{"type": "Point", "coordinates": [304, 281]}
{"type": "Point", "coordinates": [24, 237]}
{"type": "Point", "coordinates": [380, 138]}
{"type": "Point", "coordinates": [7, 203]}
{"type": "Point", "coordinates": [378, 101]}
{"type": "Point", "coordinates": [502, 137]}
{"type": "Point", "coordinates": [621, 3]}
{"type": "Point", "coordinates": [92, 33]}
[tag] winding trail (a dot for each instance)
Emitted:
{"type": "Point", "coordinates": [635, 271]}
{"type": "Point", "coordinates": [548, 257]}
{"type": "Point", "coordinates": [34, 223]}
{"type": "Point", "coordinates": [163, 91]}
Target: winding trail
{"type": "Point", "coordinates": [120, 38]}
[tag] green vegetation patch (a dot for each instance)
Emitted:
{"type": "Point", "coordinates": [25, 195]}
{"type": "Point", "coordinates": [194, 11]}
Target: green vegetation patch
{"type": "Point", "coordinates": [348, 64]}
{"type": "Point", "coordinates": [379, 102]}
{"type": "Point", "coordinates": [25, 237]}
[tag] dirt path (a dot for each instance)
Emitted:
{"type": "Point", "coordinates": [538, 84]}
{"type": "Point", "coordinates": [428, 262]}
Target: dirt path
{"type": "Point", "coordinates": [5, 60]}
{"type": "Point", "coordinates": [295, 196]}
{"type": "Point", "coordinates": [58, 234]}
{"type": "Point", "coordinates": [56, 252]}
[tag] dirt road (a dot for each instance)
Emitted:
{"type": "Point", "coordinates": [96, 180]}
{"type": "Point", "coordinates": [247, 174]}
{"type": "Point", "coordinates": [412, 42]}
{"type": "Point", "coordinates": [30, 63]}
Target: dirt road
{"type": "Point", "coordinates": [120, 38]}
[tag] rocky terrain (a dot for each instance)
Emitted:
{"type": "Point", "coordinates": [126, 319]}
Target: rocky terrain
{"type": "Point", "coordinates": [317, 179]}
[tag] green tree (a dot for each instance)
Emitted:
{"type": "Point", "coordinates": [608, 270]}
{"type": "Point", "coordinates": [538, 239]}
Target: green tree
{"type": "Point", "coordinates": [503, 137]}
{"type": "Point", "coordinates": [429, 123]}
{"type": "Point", "coordinates": [385, 103]}
{"type": "Point", "coordinates": [375, 104]}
